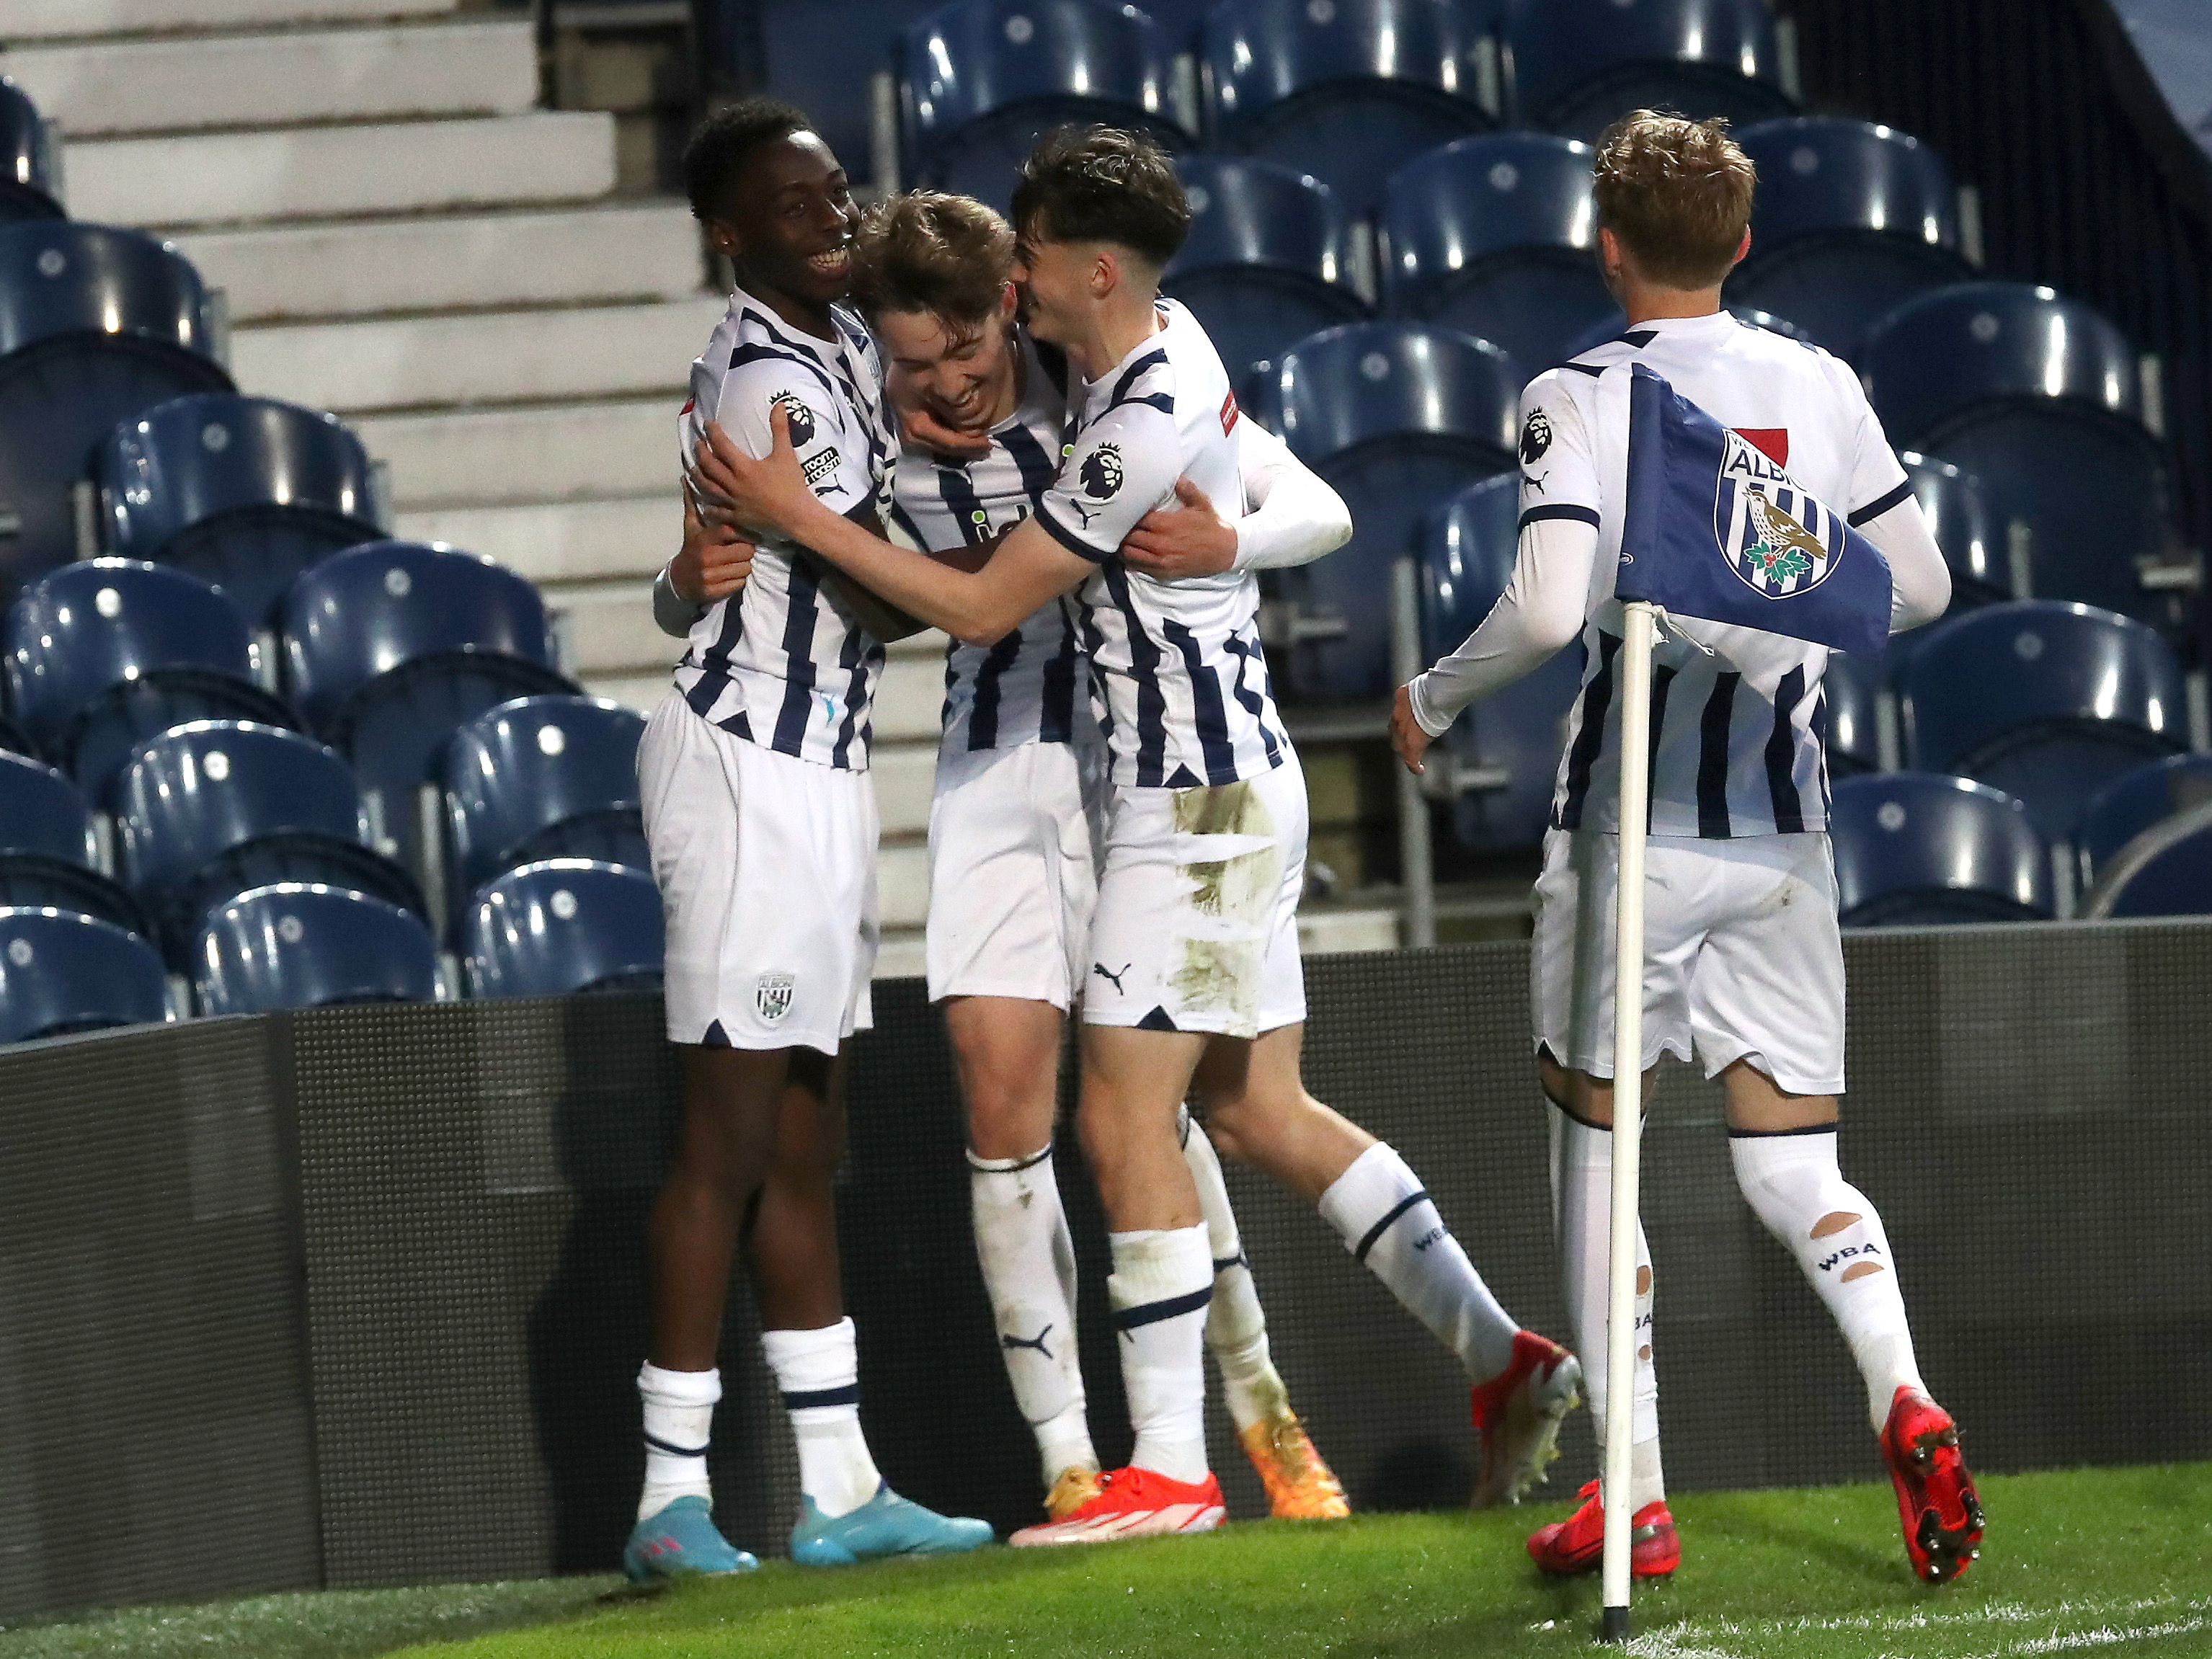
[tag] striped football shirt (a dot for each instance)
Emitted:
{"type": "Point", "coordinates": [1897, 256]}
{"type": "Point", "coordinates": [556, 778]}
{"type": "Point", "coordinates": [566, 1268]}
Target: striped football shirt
{"type": "Point", "coordinates": [1024, 688]}
{"type": "Point", "coordinates": [1737, 731]}
{"type": "Point", "coordinates": [781, 662]}
{"type": "Point", "coordinates": [1187, 697]}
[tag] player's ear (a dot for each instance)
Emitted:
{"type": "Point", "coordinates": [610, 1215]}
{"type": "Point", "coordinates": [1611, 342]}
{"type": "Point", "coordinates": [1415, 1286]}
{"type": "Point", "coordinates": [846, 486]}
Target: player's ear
{"type": "Point", "coordinates": [1010, 301]}
{"type": "Point", "coordinates": [1105, 273]}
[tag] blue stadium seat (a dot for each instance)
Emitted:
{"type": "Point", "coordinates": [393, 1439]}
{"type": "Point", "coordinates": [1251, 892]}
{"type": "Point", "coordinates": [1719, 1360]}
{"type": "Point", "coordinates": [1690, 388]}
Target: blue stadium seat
{"type": "Point", "coordinates": [2039, 397]}
{"type": "Point", "coordinates": [49, 855]}
{"type": "Point", "coordinates": [2047, 701]}
{"type": "Point", "coordinates": [2134, 801]}
{"type": "Point", "coordinates": [61, 973]}
{"type": "Point", "coordinates": [1851, 219]}
{"type": "Point", "coordinates": [1497, 234]}
{"type": "Point", "coordinates": [1348, 90]}
{"type": "Point", "coordinates": [1959, 519]}
{"type": "Point", "coordinates": [1399, 417]}
{"type": "Point", "coordinates": [391, 645]}
{"type": "Point", "coordinates": [1577, 64]}
{"type": "Point", "coordinates": [820, 57]}
{"type": "Point", "coordinates": [542, 778]}
{"type": "Point", "coordinates": [246, 491]}
{"type": "Point", "coordinates": [1850, 690]}
{"type": "Point", "coordinates": [1266, 262]}
{"type": "Point", "coordinates": [300, 944]}
{"type": "Point", "coordinates": [2165, 871]}
{"type": "Point", "coordinates": [1914, 849]}
{"type": "Point", "coordinates": [28, 186]}
{"type": "Point", "coordinates": [984, 79]}
{"type": "Point", "coordinates": [1614, 326]}
{"type": "Point", "coordinates": [219, 807]}
{"type": "Point", "coordinates": [1466, 559]}
{"type": "Point", "coordinates": [14, 739]}
{"type": "Point", "coordinates": [562, 926]}
{"type": "Point", "coordinates": [102, 654]}
{"type": "Point", "coordinates": [96, 325]}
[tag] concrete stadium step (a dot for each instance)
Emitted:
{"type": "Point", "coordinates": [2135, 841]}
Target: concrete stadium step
{"type": "Point", "coordinates": [563, 541]}
{"type": "Point", "coordinates": [638, 691]}
{"type": "Point", "coordinates": [41, 20]}
{"type": "Point", "coordinates": [902, 886]}
{"type": "Point", "coordinates": [301, 173]}
{"type": "Point", "coordinates": [902, 954]}
{"type": "Point", "coordinates": [488, 456]}
{"type": "Point", "coordinates": [475, 261]}
{"type": "Point", "coordinates": [906, 777]}
{"type": "Point", "coordinates": [509, 356]}
{"type": "Point", "coordinates": [181, 83]}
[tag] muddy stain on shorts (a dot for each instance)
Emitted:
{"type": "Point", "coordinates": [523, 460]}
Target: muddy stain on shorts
{"type": "Point", "coordinates": [1223, 974]}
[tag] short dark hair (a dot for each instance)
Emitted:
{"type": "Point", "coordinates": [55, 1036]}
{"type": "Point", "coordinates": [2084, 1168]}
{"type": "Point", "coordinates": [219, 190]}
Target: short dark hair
{"type": "Point", "coordinates": [931, 252]}
{"type": "Point", "coordinates": [1104, 185]}
{"type": "Point", "coordinates": [725, 140]}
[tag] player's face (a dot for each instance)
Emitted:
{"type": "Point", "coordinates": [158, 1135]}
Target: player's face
{"type": "Point", "coordinates": [1055, 281]}
{"type": "Point", "coordinates": [788, 221]}
{"type": "Point", "coordinates": [957, 374]}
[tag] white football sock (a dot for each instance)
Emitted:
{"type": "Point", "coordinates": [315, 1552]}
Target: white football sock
{"type": "Point", "coordinates": [1236, 1327]}
{"type": "Point", "coordinates": [1382, 1214]}
{"type": "Point", "coordinates": [679, 1414]}
{"type": "Point", "coordinates": [1028, 1258]}
{"type": "Point", "coordinates": [819, 1373]}
{"type": "Point", "coordinates": [1581, 1210]}
{"type": "Point", "coordinates": [1794, 1183]}
{"type": "Point", "coordinates": [1161, 1283]}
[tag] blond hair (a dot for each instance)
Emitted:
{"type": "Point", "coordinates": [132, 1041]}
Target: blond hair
{"type": "Point", "coordinates": [1677, 193]}
{"type": "Point", "coordinates": [930, 250]}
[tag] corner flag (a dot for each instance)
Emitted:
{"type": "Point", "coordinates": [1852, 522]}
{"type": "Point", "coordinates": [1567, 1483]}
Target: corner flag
{"type": "Point", "coordinates": [1714, 527]}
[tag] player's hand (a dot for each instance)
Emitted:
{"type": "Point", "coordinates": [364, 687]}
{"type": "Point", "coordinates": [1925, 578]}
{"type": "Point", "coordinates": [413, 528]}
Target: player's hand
{"type": "Point", "coordinates": [734, 488]}
{"type": "Point", "coordinates": [1406, 736]}
{"type": "Point", "coordinates": [1169, 543]}
{"type": "Point", "coordinates": [919, 426]}
{"type": "Point", "coordinates": [714, 562]}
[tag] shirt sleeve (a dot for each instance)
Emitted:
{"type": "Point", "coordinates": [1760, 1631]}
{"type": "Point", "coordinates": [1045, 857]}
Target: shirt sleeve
{"type": "Point", "coordinates": [1878, 478]}
{"type": "Point", "coordinates": [1559, 464]}
{"type": "Point", "coordinates": [1541, 611]}
{"type": "Point", "coordinates": [1124, 464]}
{"type": "Point", "coordinates": [1291, 516]}
{"type": "Point", "coordinates": [832, 451]}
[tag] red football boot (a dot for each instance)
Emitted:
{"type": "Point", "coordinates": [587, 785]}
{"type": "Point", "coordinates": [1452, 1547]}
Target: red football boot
{"type": "Point", "coordinates": [1577, 1543]}
{"type": "Point", "coordinates": [1134, 1503]}
{"type": "Point", "coordinates": [1937, 1507]}
{"type": "Point", "coordinates": [1517, 1415]}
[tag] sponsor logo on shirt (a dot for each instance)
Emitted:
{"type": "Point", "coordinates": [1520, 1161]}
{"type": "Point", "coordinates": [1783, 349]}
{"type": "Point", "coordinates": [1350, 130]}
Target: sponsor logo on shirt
{"type": "Point", "coordinates": [818, 465]}
{"type": "Point", "coordinates": [1228, 414]}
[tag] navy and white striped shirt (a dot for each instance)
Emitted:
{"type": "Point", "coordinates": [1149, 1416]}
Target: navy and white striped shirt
{"type": "Point", "coordinates": [781, 662]}
{"type": "Point", "coordinates": [1737, 733]}
{"type": "Point", "coordinates": [1187, 697]}
{"type": "Point", "coordinates": [1031, 686]}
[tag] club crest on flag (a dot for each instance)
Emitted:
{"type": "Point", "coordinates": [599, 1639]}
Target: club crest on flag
{"type": "Point", "coordinates": [1778, 540]}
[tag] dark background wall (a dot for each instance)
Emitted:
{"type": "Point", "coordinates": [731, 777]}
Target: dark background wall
{"type": "Point", "coordinates": [356, 1296]}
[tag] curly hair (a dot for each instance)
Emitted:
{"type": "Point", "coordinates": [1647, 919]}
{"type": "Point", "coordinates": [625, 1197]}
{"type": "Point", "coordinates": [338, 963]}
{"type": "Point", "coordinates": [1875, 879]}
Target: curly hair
{"type": "Point", "coordinates": [1104, 185]}
{"type": "Point", "coordinates": [933, 251]}
{"type": "Point", "coordinates": [725, 140]}
{"type": "Point", "coordinates": [1678, 194]}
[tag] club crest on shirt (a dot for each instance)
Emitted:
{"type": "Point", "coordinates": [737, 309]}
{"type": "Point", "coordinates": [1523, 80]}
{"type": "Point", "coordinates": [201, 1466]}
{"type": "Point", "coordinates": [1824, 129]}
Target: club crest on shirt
{"type": "Point", "coordinates": [772, 995]}
{"type": "Point", "coordinates": [800, 417]}
{"type": "Point", "coordinates": [1101, 472]}
{"type": "Point", "coordinates": [1777, 539]}
{"type": "Point", "coordinates": [1536, 437]}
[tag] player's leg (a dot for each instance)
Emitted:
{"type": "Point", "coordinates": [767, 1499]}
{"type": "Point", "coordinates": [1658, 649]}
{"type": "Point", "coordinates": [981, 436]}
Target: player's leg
{"type": "Point", "coordinates": [1572, 995]}
{"type": "Point", "coordinates": [1300, 1486]}
{"type": "Point", "coordinates": [1007, 1053]}
{"type": "Point", "coordinates": [1012, 884]}
{"type": "Point", "coordinates": [846, 1513]}
{"type": "Point", "coordinates": [1256, 1101]}
{"type": "Point", "coordinates": [722, 1152]}
{"type": "Point", "coordinates": [1780, 948]}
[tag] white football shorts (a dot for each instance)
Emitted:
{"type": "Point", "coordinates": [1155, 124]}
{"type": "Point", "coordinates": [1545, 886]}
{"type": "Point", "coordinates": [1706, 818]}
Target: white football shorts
{"type": "Point", "coordinates": [1743, 955]}
{"type": "Point", "coordinates": [1013, 871]}
{"type": "Point", "coordinates": [1197, 927]}
{"type": "Point", "coordinates": [767, 866]}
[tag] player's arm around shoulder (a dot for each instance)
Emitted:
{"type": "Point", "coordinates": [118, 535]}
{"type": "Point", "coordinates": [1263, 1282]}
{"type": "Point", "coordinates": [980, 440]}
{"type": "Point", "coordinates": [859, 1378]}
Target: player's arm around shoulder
{"type": "Point", "coordinates": [714, 562]}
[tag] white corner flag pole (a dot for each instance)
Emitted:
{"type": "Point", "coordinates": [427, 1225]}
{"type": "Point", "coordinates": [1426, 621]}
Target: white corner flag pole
{"type": "Point", "coordinates": [1642, 623]}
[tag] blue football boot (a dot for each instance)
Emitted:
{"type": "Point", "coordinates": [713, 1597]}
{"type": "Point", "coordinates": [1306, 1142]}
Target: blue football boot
{"type": "Point", "coordinates": [886, 1524]}
{"type": "Point", "coordinates": [679, 1541]}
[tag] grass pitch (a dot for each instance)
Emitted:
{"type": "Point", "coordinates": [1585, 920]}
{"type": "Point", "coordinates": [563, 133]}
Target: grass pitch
{"type": "Point", "coordinates": [2090, 1560]}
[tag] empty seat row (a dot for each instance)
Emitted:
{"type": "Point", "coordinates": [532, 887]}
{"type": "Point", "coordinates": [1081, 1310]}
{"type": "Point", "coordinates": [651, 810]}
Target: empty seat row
{"type": "Point", "coordinates": [555, 927]}
{"type": "Point", "coordinates": [1345, 90]}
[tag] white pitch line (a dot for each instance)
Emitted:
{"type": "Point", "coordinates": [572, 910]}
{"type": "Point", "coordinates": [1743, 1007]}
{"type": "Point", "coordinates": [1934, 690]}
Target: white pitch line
{"type": "Point", "coordinates": [2104, 1637]}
